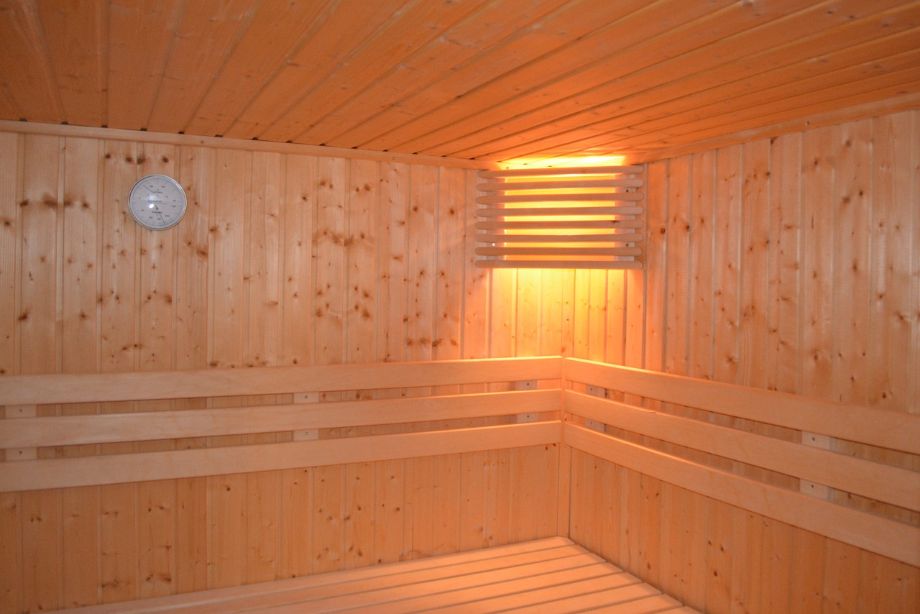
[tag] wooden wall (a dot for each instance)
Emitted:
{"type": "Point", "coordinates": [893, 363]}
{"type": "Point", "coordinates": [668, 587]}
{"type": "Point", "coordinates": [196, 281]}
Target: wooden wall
{"type": "Point", "coordinates": [790, 264]}
{"type": "Point", "coordinates": [281, 259]}
{"type": "Point", "coordinates": [720, 558]}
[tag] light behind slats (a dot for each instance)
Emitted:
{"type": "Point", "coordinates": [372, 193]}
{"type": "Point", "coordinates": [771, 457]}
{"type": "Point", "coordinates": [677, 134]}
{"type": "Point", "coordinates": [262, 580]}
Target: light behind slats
{"type": "Point", "coordinates": [541, 218]}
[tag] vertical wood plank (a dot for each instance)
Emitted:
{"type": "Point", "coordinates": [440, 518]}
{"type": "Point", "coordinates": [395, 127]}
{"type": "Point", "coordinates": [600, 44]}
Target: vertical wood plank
{"type": "Point", "coordinates": [726, 260]}
{"type": "Point", "coordinates": [227, 534]}
{"type": "Point", "coordinates": [389, 502]}
{"type": "Point", "coordinates": [392, 253]}
{"type": "Point", "coordinates": [450, 264]}
{"type": "Point", "coordinates": [328, 518]}
{"type": "Point", "coordinates": [421, 224]}
{"type": "Point", "coordinates": [702, 221]}
{"type": "Point", "coordinates": [330, 291]}
{"type": "Point", "coordinates": [656, 266]}
{"type": "Point", "coordinates": [815, 302]}
{"type": "Point", "coordinates": [755, 241]}
{"type": "Point", "coordinates": [228, 300]}
{"type": "Point", "coordinates": [196, 173]}
{"type": "Point", "coordinates": [527, 320]}
{"type": "Point", "coordinates": [677, 326]}
{"type": "Point", "coordinates": [156, 530]}
{"type": "Point", "coordinates": [419, 521]}
{"type": "Point", "coordinates": [39, 205]}
{"type": "Point", "coordinates": [191, 535]}
{"type": "Point", "coordinates": [597, 315]}
{"type": "Point", "coordinates": [296, 523]}
{"type": "Point", "coordinates": [550, 334]}
{"type": "Point", "coordinates": [615, 342]}
{"type": "Point", "coordinates": [11, 554]}
{"type": "Point", "coordinates": [118, 550]}
{"type": "Point", "coordinates": [10, 231]}
{"type": "Point", "coordinates": [41, 549]}
{"type": "Point", "coordinates": [265, 266]}
{"type": "Point", "coordinates": [445, 504]}
{"type": "Point", "coordinates": [786, 222]}
{"type": "Point", "coordinates": [118, 291]}
{"type": "Point", "coordinates": [360, 485]}
{"type": "Point", "coordinates": [472, 500]}
{"type": "Point", "coordinates": [852, 207]}
{"type": "Point", "coordinates": [361, 250]}
{"type": "Point", "coordinates": [263, 525]}
{"type": "Point", "coordinates": [890, 275]}
{"type": "Point", "coordinates": [299, 209]}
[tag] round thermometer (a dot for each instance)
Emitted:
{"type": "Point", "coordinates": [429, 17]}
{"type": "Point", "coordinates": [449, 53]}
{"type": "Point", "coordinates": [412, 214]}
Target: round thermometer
{"type": "Point", "coordinates": [157, 202]}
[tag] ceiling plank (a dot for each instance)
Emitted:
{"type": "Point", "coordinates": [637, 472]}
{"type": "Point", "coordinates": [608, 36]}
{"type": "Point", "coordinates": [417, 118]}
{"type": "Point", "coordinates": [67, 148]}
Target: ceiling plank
{"type": "Point", "coordinates": [277, 29]}
{"type": "Point", "coordinates": [205, 37]}
{"type": "Point", "coordinates": [337, 33]}
{"type": "Point", "coordinates": [495, 22]}
{"type": "Point", "coordinates": [641, 49]}
{"type": "Point", "coordinates": [540, 82]}
{"type": "Point", "coordinates": [816, 101]}
{"type": "Point", "coordinates": [545, 36]}
{"type": "Point", "coordinates": [835, 116]}
{"type": "Point", "coordinates": [24, 64]}
{"type": "Point", "coordinates": [691, 92]}
{"type": "Point", "coordinates": [76, 33]}
{"type": "Point", "coordinates": [750, 52]}
{"type": "Point", "coordinates": [402, 36]}
{"type": "Point", "coordinates": [140, 38]}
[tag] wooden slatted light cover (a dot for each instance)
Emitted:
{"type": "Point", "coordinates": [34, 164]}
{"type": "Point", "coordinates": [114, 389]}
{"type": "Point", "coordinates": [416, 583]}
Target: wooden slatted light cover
{"type": "Point", "coordinates": [570, 218]}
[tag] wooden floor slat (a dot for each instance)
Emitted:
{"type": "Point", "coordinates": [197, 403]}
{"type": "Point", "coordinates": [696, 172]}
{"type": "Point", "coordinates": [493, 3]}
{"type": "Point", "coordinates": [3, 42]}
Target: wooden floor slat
{"type": "Point", "coordinates": [543, 575]}
{"type": "Point", "coordinates": [426, 582]}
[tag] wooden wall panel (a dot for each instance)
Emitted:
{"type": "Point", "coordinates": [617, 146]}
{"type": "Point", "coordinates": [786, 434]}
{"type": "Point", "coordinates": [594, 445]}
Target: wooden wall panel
{"type": "Point", "coordinates": [720, 558]}
{"type": "Point", "coordinates": [801, 255]}
{"type": "Point", "coordinates": [281, 259]}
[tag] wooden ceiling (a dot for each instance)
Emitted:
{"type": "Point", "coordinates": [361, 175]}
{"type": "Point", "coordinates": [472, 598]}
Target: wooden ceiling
{"type": "Point", "coordinates": [477, 79]}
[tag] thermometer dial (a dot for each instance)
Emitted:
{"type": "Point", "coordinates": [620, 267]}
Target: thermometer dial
{"type": "Point", "coordinates": [157, 202]}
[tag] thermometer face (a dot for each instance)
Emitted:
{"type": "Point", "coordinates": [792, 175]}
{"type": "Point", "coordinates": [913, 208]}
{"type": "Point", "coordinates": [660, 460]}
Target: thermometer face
{"type": "Point", "coordinates": [157, 202]}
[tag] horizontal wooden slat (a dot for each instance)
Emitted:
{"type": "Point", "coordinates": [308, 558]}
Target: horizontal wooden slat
{"type": "Point", "coordinates": [557, 264]}
{"type": "Point", "coordinates": [887, 429]}
{"type": "Point", "coordinates": [547, 172]}
{"type": "Point", "coordinates": [560, 224]}
{"type": "Point", "coordinates": [73, 430]}
{"type": "Point", "coordinates": [874, 480]}
{"type": "Point", "coordinates": [561, 197]}
{"type": "Point", "coordinates": [88, 388]}
{"type": "Point", "coordinates": [467, 597]}
{"type": "Point", "coordinates": [889, 538]}
{"type": "Point", "coordinates": [606, 237]}
{"type": "Point", "coordinates": [123, 468]}
{"type": "Point", "coordinates": [558, 183]}
{"type": "Point", "coordinates": [558, 211]}
{"type": "Point", "coordinates": [559, 251]}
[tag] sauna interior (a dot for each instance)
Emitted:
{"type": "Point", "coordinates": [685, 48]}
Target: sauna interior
{"type": "Point", "coordinates": [473, 305]}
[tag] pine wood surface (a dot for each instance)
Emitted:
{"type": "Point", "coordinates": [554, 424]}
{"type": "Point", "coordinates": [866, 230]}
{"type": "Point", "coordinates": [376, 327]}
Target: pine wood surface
{"type": "Point", "coordinates": [617, 316]}
{"type": "Point", "coordinates": [535, 575]}
{"type": "Point", "coordinates": [489, 80]}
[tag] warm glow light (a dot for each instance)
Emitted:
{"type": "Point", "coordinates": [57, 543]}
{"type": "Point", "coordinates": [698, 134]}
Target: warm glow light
{"type": "Point", "coordinates": [564, 162]}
